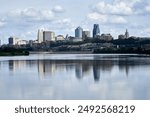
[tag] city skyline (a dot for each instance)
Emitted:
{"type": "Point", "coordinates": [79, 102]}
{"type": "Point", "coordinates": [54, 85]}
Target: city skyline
{"type": "Point", "coordinates": [79, 35]}
{"type": "Point", "coordinates": [24, 18]}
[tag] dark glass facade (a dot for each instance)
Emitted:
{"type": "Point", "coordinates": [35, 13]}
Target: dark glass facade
{"type": "Point", "coordinates": [96, 30]}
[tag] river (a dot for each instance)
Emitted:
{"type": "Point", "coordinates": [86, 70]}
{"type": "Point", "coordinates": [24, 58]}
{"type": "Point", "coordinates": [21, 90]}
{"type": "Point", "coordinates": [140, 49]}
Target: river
{"type": "Point", "coordinates": [75, 76]}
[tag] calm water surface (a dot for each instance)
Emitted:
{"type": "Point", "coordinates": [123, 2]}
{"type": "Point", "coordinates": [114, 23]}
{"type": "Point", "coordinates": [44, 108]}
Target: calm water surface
{"type": "Point", "coordinates": [75, 76]}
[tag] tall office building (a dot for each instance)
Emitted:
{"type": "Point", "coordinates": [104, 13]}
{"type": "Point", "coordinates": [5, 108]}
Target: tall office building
{"type": "Point", "coordinates": [126, 34]}
{"type": "Point", "coordinates": [40, 36]}
{"type": "Point", "coordinates": [48, 36]}
{"type": "Point", "coordinates": [13, 40]}
{"type": "Point", "coordinates": [78, 32]}
{"type": "Point", "coordinates": [96, 30]}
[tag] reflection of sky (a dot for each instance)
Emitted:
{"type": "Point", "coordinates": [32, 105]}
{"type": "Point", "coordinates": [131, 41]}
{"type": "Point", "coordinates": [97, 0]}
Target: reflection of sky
{"type": "Point", "coordinates": [74, 79]}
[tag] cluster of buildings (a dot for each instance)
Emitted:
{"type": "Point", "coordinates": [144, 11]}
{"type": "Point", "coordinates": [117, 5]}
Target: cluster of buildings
{"type": "Point", "coordinates": [80, 35]}
{"type": "Point", "coordinates": [16, 41]}
{"type": "Point", "coordinates": [44, 36]}
{"type": "Point", "coordinates": [124, 36]}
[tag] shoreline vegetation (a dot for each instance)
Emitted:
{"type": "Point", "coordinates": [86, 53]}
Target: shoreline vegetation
{"type": "Point", "coordinates": [95, 46]}
{"type": "Point", "coordinates": [23, 52]}
{"type": "Point", "coordinates": [87, 46]}
{"type": "Point", "coordinates": [9, 51]}
{"type": "Point", "coordinates": [88, 52]}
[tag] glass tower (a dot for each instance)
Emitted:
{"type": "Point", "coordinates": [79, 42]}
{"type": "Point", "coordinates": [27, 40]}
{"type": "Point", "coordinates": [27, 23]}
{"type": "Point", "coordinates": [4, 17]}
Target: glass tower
{"type": "Point", "coordinates": [96, 30]}
{"type": "Point", "coordinates": [78, 32]}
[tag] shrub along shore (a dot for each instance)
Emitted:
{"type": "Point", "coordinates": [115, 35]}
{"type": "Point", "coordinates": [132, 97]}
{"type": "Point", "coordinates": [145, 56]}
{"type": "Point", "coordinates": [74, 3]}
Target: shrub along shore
{"type": "Point", "coordinates": [13, 52]}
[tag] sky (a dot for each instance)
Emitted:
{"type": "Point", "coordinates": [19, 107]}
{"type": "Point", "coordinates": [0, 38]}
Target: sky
{"type": "Point", "coordinates": [23, 18]}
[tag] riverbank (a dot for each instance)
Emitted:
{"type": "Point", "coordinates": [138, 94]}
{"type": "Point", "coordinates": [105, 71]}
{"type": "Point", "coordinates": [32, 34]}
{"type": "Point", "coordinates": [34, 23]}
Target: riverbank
{"type": "Point", "coordinates": [89, 52]}
{"type": "Point", "coordinates": [60, 52]}
{"type": "Point", "coordinates": [13, 52]}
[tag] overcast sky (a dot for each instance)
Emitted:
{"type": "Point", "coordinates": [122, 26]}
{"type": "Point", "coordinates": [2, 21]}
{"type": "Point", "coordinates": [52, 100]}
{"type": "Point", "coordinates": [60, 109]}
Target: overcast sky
{"type": "Point", "coordinates": [23, 18]}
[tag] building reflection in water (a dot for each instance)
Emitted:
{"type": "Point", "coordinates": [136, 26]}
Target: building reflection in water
{"type": "Point", "coordinates": [41, 68]}
{"type": "Point", "coordinates": [81, 67]}
{"type": "Point", "coordinates": [127, 64]}
{"type": "Point", "coordinates": [16, 65]}
{"type": "Point", "coordinates": [46, 67]}
{"type": "Point", "coordinates": [0, 65]}
{"type": "Point", "coordinates": [50, 68]}
{"type": "Point", "coordinates": [96, 71]}
{"type": "Point", "coordinates": [11, 65]}
{"type": "Point", "coordinates": [79, 71]}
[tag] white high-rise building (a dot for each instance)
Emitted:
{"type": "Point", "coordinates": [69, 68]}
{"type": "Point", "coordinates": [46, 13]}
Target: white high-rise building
{"type": "Point", "coordinates": [40, 36]}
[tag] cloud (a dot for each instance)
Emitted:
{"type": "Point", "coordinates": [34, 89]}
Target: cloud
{"type": "Point", "coordinates": [66, 21]}
{"type": "Point", "coordinates": [65, 25]}
{"type": "Point", "coordinates": [147, 30]}
{"type": "Point", "coordinates": [120, 8]}
{"type": "Point", "coordinates": [147, 9]}
{"type": "Point", "coordinates": [129, 2]}
{"type": "Point", "coordinates": [118, 20]}
{"type": "Point", "coordinates": [24, 23]}
{"type": "Point", "coordinates": [2, 23]}
{"type": "Point", "coordinates": [118, 11]}
{"type": "Point", "coordinates": [47, 15]}
{"type": "Point", "coordinates": [96, 16]}
{"type": "Point", "coordinates": [107, 18]}
{"type": "Point", "coordinates": [138, 7]}
{"type": "Point", "coordinates": [58, 9]}
{"type": "Point", "coordinates": [29, 12]}
{"type": "Point", "coordinates": [112, 13]}
{"type": "Point", "coordinates": [32, 14]}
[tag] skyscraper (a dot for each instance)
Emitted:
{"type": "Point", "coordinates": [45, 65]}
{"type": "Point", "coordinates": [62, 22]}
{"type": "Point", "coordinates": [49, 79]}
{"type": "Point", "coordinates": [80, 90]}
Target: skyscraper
{"type": "Point", "coordinates": [96, 30]}
{"type": "Point", "coordinates": [40, 36]}
{"type": "Point", "coordinates": [78, 32]}
{"type": "Point", "coordinates": [12, 40]}
{"type": "Point", "coordinates": [126, 34]}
